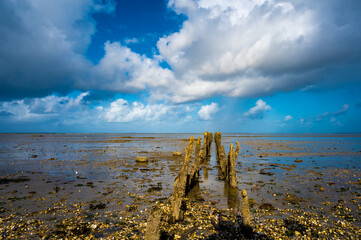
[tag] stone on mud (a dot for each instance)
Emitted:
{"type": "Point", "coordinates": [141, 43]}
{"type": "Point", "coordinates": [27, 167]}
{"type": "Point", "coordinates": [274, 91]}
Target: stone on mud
{"type": "Point", "coordinates": [177, 154]}
{"type": "Point", "coordinates": [142, 159]}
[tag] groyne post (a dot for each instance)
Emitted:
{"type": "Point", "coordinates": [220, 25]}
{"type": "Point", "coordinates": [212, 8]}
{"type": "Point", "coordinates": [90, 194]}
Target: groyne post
{"type": "Point", "coordinates": [245, 213]}
{"type": "Point", "coordinates": [180, 184]}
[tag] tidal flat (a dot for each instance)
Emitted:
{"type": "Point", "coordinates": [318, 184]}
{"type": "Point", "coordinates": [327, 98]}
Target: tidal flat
{"type": "Point", "coordinates": [87, 186]}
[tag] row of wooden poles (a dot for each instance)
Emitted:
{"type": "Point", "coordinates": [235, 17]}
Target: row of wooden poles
{"type": "Point", "coordinates": [227, 164]}
{"type": "Point", "coordinates": [188, 177]}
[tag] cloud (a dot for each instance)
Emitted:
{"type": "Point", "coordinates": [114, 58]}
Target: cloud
{"type": "Point", "coordinates": [122, 70]}
{"type": "Point", "coordinates": [287, 118]}
{"type": "Point", "coordinates": [237, 48]}
{"type": "Point", "coordinates": [207, 111]}
{"type": "Point", "coordinates": [332, 115]}
{"type": "Point", "coordinates": [121, 111]}
{"type": "Point", "coordinates": [247, 48]}
{"type": "Point", "coordinates": [257, 112]}
{"type": "Point", "coordinates": [42, 45]}
{"type": "Point", "coordinates": [131, 40]}
{"type": "Point", "coordinates": [335, 122]}
{"type": "Point", "coordinates": [41, 109]}
{"type": "Point", "coordinates": [78, 110]}
{"type": "Point", "coordinates": [55, 104]}
{"type": "Point", "coordinates": [343, 110]}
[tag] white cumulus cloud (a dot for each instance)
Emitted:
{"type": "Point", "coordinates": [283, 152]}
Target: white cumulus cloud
{"type": "Point", "coordinates": [257, 112]}
{"type": "Point", "coordinates": [79, 110]}
{"type": "Point", "coordinates": [125, 71]}
{"type": "Point", "coordinates": [36, 109]}
{"type": "Point", "coordinates": [122, 111]}
{"type": "Point", "coordinates": [207, 111]}
{"type": "Point", "coordinates": [288, 118]}
{"type": "Point", "coordinates": [252, 48]}
{"type": "Point", "coordinates": [237, 48]}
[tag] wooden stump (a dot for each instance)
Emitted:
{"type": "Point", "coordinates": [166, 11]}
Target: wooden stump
{"type": "Point", "coordinates": [153, 224]}
{"type": "Point", "coordinates": [180, 184]}
{"type": "Point", "coordinates": [198, 147]}
{"type": "Point", "coordinates": [218, 140]}
{"type": "Point", "coordinates": [232, 168]}
{"type": "Point", "coordinates": [237, 150]}
{"type": "Point", "coordinates": [223, 163]}
{"type": "Point", "coordinates": [245, 213]}
{"type": "Point", "coordinates": [209, 143]}
{"type": "Point", "coordinates": [194, 171]}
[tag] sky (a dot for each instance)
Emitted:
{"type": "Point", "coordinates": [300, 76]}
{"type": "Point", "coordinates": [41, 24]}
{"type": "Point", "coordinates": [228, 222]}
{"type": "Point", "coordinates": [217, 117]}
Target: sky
{"type": "Point", "coordinates": [246, 66]}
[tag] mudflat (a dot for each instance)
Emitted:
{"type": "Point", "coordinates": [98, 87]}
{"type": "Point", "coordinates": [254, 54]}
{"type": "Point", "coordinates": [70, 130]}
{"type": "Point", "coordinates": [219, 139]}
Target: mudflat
{"type": "Point", "coordinates": [91, 186]}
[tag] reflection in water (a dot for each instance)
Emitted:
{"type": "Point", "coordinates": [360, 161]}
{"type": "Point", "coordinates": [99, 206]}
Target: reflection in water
{"type": "Point", "coordinates": [141, 164]}
{"type": "Point", "coordinates": [232, 196]}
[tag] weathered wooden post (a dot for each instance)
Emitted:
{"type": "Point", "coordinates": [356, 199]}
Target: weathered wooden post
{"type": "Point", "coordinates": [180, 184]}
{"type": "Point", "coordinates": [153, 224]}
{"type": "Point", "coordinates": [189, 175]}
{"type": "Point", "coordinates": [205, 139]}
{"type": "Point", "coordinates": [218, 140]}
{"type": "Point", "coordinates": [245, 213]}
{"type": "Point", "coordinates": [237, 150]}
{"type": "Point", "coordinates": [199, 157]}
{"type": "Point", "coordinates": [223, 163]}
{"type": "Point", "coordinates": [203, 149]}
{"type": "Point", "coordinates": [209, 143]}
{"type": "Point", "coordinates": [194, 171]}
{"type": "Point", "coordinates": [198, 147]}
{"type": "Point", "coordinates": [232, 168]}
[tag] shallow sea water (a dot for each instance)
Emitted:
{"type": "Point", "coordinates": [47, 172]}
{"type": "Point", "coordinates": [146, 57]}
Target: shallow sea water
{"type": "Point", "coordinates": [101, 168]}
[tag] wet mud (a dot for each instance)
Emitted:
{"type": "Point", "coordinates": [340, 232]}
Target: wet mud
{"type": "Point", "coordinates": [89, 186]}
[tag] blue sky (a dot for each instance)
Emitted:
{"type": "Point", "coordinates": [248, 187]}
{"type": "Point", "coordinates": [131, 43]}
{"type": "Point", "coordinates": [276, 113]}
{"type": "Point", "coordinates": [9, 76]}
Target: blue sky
{"type": "Point", "coordinates": [180, 66]}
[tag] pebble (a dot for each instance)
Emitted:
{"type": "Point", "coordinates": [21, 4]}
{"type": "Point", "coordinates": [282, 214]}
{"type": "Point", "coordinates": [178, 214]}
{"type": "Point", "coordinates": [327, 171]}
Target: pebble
{"type": "Point", "coordinates": [177, 154]}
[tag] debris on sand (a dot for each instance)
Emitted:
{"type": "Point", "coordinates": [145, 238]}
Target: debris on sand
{"type": "Point", "coordinates": [142, 159]}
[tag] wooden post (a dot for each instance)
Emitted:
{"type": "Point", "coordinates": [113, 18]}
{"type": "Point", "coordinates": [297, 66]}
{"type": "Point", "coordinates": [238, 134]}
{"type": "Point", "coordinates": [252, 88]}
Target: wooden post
{"type": "Point", "coordinates": [237, 150]}
{"type": "Point", "coordinates": [232, 168]}
{"type": "Point", "coordinates": [198, 147]}
{"type": "Point", "coordinates": [180, 184]}
{"type": "Point", "coordinates": [153, 224]}
{"type": "Point", "coordinates": [218, 140]}
{"type": "Point", "coordinates": [209, 143]}
{"type": "Point", "coordinates": [223, 162]}
{"type": "Point", "coordinates": [245, 213]}
{"type": "Point", "coordinates": [194, 171]}
{"type": "Point", "coordinates": [205, 143]}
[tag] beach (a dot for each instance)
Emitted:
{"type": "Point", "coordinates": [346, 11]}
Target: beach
{"type": "Point", "coordinates": [91, 186]}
